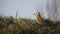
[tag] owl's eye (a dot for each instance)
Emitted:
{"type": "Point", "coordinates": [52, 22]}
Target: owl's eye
{"type": "Point", "coordinates": [36, 13]}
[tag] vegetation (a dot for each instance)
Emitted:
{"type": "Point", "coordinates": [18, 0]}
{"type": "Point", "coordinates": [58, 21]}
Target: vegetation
{"type": "Point", "coordinates": [10, 25]}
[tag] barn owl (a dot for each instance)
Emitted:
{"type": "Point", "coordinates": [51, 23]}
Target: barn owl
{"type": "Point", "coordinates": [38, 17]}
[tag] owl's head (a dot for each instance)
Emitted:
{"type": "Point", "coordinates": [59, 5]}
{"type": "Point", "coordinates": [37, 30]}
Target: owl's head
{"type": "Point", "coordinates": [37, 13]}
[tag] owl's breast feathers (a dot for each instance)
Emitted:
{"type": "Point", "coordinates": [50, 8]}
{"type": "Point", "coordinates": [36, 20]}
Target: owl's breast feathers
{"type": "Point", "coordinates": [39, 19]}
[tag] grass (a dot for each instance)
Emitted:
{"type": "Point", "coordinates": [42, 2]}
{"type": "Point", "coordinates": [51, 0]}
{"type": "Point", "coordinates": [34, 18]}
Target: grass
{"type": "Point", "coordinates": [27, 26]}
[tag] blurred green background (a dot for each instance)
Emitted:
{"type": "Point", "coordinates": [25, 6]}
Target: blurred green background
{"type": "Point", "coordinates": [10, 25]}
